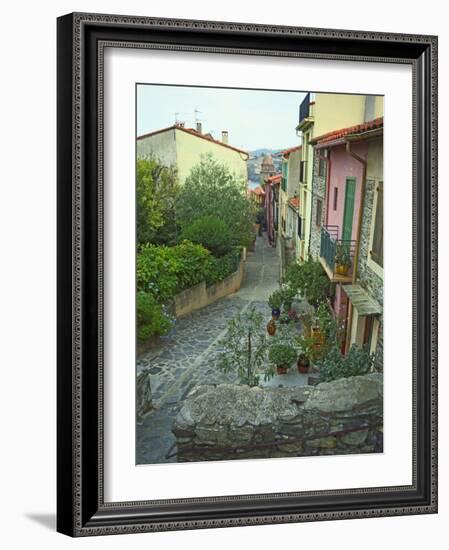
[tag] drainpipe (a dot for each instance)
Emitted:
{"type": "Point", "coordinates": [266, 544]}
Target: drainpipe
{"type": "Point", "coordinates": [359, 231]}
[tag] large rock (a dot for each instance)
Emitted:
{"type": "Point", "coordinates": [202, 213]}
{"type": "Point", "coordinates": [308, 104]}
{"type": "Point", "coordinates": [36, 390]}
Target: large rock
{"type": "Point", "coordinates": [346, 394]}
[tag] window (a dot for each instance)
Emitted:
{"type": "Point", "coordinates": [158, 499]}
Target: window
{"type": "Point", "coordinates": [284, 176]}
{"type": "Point", "coordinates": [319, 212]}
{"type": "Point", "coordinates": [377, 246]}
{"type": "Point", "coordinates": [321, 167]}
{"type": "Point", "coordinates": [335, 197]}
{"type": "Point", "coordinates": [302, 171]}
{"type": "Point", "coordinates": [299, 224]}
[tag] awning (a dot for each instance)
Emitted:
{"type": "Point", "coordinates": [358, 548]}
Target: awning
{"type": "Point", "coordinates": [362, 301]}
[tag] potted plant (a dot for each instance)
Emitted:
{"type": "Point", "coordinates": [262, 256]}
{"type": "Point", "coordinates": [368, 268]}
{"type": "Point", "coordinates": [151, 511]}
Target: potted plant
{"type": "Point", "coordinates": [271, 327]}
{"type": "Point", "coordinates": [281, 354]}
{"type": "Point", "coordinates": [288, 295]}
{"type": "Point", "coordinates": [342, 259]}
{"type": "Point", "coordinates": [244, 347]}
{"type": "Point", "coordinates": [303, 363]}
{"type": "Point", "coordinates": [275, 302]}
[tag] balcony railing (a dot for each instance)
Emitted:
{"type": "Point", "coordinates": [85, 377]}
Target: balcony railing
{"type": "Point", "coordinates": [337, 254]}
{"type": "Point", "coordinates": [304, 108]}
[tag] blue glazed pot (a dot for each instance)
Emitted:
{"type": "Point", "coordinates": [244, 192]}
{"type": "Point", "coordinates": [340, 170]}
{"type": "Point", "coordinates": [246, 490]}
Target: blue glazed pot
{"type": "Point", "coordinates": [275, 313]}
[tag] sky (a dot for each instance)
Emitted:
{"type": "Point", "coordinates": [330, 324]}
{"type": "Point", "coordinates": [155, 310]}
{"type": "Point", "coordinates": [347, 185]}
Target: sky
{"type": "Point", "coordinates": [253, 118]}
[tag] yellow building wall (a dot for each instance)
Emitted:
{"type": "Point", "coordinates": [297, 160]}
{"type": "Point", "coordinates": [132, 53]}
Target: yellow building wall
{"type": "Point", "coordinates": [379, 106]}
{"type": "Point", "coordinates": [334, 111]}
{"type": "Point", "coordinates": [190, 149]}
{"type": "Point", "coordinates": [329, 112]}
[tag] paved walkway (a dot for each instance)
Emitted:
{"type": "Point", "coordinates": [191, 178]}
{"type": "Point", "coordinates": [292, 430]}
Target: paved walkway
{"type": "Point", "coordinates": [188, 354]}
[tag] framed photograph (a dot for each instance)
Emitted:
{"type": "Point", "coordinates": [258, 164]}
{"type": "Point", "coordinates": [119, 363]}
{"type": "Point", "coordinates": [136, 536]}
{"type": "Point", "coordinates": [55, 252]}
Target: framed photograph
{"type": "Point", "coordinates": [247, 278]}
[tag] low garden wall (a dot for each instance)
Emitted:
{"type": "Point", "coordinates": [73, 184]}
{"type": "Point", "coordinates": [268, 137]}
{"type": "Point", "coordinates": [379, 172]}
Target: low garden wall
{"type": "Point", "coordinates": [230, 422]}
{"type": "Point", "coordinates": [200, 295]}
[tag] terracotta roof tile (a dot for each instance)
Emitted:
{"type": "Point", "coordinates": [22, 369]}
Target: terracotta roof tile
{"type": "Point", "coordinates": [291, 150]}
{"type": "Point", "coordinates": [294, 201]}
{"type": "Point", "coordinates": [350, 130]}
{"type": "Point", "coordinates": [274, 179]}
{"type": "Point", "coordinates": [193, 132]}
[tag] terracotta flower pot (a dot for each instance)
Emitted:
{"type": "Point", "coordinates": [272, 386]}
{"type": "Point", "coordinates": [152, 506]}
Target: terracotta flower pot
{"type": "Point", "coordinates": [303, 364]}
{"type": "Point", "coordinates": [271, 327]}
{"type": "Point", "coordinates": [282, 370]}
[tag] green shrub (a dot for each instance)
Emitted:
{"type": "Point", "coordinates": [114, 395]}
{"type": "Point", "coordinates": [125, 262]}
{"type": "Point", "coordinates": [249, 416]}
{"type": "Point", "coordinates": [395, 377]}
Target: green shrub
{"type": "Point", "coordinates": [334, 365]}
{"type": "Point", "coordinates": [193, 264]}
{"type": "Point", "coordinates": [210, 232]}
{"type": "Point", "coordinates": [310, 280]}
{"type": "Point", "coordinates": [164, 271]}
{"type": "Point", "coordinates": [220, 268]}
{"type": "Point", "coordinates": [275, 299]}
{"type": "Point", "coordinates": [152, 319]}
{"type": "Point", "coordinates": [283, 296]}
{"type": "Point", "coordinates": [157, 271]}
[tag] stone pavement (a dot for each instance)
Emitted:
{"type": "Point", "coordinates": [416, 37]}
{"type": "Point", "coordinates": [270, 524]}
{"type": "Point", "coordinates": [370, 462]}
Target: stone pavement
{"type": "Point", "coordinates": [188, 354]}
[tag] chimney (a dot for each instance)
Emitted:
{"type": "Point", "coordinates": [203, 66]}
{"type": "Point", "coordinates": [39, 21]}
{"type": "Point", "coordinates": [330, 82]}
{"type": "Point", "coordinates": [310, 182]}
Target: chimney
{"type": "Point", "coordinates": [199, 128]}
{"type": "Point", "coordinates": [224, 136]}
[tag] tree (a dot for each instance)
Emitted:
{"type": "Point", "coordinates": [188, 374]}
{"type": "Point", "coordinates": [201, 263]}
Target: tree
{"type": "Point", "coordinates": [212, 190]}
{"type": "Point", "coordinates": [245, 347]}
{"type": "Point", "coordinates": [210, 232]}
{"type": "Point", "coordinates": [310, 280]}
{"type": "Point", "coordinates": [157, 189]}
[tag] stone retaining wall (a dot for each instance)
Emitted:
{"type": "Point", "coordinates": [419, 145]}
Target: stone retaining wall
{"type": "Point", "coordinates": [231, 422]}
{"type": "Point", "coordinates": [200, 295]}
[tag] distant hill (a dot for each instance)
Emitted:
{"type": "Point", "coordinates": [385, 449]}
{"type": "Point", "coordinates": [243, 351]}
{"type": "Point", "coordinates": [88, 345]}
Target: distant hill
{"type": "Point", "coordinates": [264, 151]}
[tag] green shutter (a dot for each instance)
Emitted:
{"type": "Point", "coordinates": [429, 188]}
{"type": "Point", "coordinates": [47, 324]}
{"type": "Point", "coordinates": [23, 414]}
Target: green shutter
{"type": "Point", "coordinates": [349, 209]}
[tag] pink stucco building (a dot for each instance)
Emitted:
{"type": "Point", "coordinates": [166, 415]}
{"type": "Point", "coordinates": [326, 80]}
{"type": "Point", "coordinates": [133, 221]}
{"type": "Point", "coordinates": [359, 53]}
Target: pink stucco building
{"type": "Point", "coordinates": [346, 162]}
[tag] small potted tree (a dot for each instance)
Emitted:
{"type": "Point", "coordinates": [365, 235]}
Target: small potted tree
{"type": "Point", "coordinates": [342, 259]}
{"type": "Point", "coordinates": [282, 351]}
{"type": "Point", "coordinates": [245, 347]}
{"type": "Point", "coordinates": [306, 351]}
{"type": "Point", "coordinates": [281, 355]}
{"type": "Point", "coordinates": [275, 302]}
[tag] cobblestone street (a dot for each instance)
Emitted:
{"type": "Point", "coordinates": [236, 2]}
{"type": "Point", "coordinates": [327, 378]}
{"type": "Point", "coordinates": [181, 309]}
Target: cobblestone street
{"type": "Point", "coordinates": [187, 355]}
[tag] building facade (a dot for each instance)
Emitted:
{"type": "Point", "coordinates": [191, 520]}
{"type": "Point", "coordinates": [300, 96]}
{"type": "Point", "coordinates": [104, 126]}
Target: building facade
{"type": "Point", "coordinates": [272, 185]}
{"type": "Point", "coordinates": [347, 227]}
{"type": "Point", "coordinates": [288, 212]}
{"type": "Point", "coordinates": [183, 148]}
{"type": "Point", "coordinates": [267, 168]}
{"type": "Point", "coordinates": [320, 113]}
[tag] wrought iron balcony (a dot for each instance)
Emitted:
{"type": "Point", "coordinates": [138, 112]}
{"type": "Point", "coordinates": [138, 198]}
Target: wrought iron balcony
{"type": "Point", "coordinates": [336, 255]}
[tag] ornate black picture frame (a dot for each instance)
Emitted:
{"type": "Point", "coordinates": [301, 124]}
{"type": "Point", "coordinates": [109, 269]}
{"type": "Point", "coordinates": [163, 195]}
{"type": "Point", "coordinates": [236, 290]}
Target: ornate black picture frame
{"type": "Point", "coordinates": [81, 510]}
